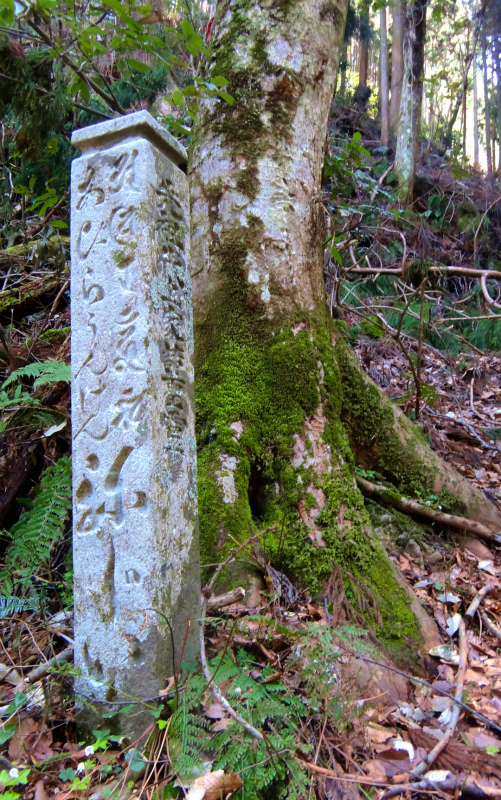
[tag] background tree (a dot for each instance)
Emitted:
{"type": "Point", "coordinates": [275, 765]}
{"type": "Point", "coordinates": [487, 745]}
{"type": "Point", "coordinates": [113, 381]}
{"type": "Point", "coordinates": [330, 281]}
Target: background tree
{"type": "Point", "coordinates": [409, 125]}
{"type": "Point", "coordinates": [384, 82]}
{"type": "Point", "coordinates": [398, 12]}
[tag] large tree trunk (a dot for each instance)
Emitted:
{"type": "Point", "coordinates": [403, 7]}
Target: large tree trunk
{"type": "Point", "coordinates": [275, 381]}
{"type": "Point", "coordinates": [384, 90]}
{"type": "Point", "coordinates": [397, 61]}
{"type": "Point", "coordinates": [409, 124]}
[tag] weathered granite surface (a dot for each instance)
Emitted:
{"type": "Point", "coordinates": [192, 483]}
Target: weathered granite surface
{"type": "Point", "coordinates": [136, 557]}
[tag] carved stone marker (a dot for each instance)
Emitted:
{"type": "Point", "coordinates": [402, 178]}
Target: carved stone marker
{"type": "Point", "coordinates": [136, 557]}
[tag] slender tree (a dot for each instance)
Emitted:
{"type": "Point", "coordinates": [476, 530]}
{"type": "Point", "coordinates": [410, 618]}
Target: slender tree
{"type": "Point", "coordinates": [410, 105]}
{"type": "Point", "coordinates": [487, 103]}
{"type": "Point", "coordinates": [497, 37]}
{"type": "Point", "coordinates": [476, 157]}
{"type": "Point", "coordinates": [397, 60]}
{"type": "Point", "coordinates": [384, 93]}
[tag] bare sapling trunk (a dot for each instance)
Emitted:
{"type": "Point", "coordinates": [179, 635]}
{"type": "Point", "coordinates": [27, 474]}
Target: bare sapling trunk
{"type": "Point", "coordinates": [384, 91]}
{"type": "Point", "coordinates": [476, 151]}
{"type": "Point", "coordinates": [498, 72]}
{"type": "Point", "coordinates": [487, 104]}
{"type": "Point", "coordinates": [397, 61]}
{"type": "Point", "coordinates": [409, 125]}
{"type": "Point", "coordinates": [276, 385]}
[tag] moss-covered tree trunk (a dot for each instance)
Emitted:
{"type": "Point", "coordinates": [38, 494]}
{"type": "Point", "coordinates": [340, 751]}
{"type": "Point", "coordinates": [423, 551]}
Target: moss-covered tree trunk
{"type": "Point", "coordinates": [275, 381]}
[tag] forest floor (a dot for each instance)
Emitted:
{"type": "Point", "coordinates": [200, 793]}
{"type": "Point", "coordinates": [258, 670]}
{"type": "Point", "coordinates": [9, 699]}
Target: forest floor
{"type": "Point", "coordinates": [385, 721]}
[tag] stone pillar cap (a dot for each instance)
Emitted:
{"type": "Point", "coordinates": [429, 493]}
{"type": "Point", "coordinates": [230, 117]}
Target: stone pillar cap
{"type": "Point", "coordinates": [140, 123]}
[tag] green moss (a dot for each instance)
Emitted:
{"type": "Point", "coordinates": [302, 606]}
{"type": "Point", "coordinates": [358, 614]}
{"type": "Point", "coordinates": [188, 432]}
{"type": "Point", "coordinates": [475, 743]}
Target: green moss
{"type": "Point", "coordinates": [269, 380]}
{"type": "Point", "coordinates": [55, 334]}
{"type": "Point", "coordinates": [372, 427]}
{"type": "Point", "coordinates": [247, 182]}
{"type": "Point", "coordinates": [257, 119]}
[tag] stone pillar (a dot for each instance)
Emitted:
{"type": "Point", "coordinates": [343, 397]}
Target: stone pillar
{"type": "Point", "coordinates": [136, 556]}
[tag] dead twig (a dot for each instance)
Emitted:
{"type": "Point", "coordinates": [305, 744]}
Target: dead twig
{"type": "Point", "coordinates": [33, 231]}
{"type": "Point", "coordinates": [449, 731]}
{"type": "Point", "coordinates": [42, 670]}
{"type": "Point", "coordinates": [469, 427]}
{"type": "Point", "coordinates": [380, 182]}
{"type": "Point", "coordinates": [437, 689]}
{"type": "Point", "coordinates": [490, 626]}
{"type": "Point", "coordinates": [206, 594]}
{"type": "Point", "coordinates": [223, 600]}
{"type": "Point", "coordinates": [473, 607]}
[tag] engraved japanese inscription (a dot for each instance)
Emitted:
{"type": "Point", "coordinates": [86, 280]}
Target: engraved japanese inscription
{"type": "Point", "coordinates": [134, 458]}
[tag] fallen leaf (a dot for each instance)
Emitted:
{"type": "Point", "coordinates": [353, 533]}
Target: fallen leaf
{"type": "Point", "coordinates": [447, 652]}
{"type": "Point", "coordinates": [40, 793]}
{"type": "Point", "coordinates": [214, 786]}
{"type": "Point", "coordinates": [449, 597]}
{"type": "Point", "coordinates": [453, 624]}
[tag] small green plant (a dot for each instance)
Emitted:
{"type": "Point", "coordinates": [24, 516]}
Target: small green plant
{"type": "Point", "coordinates": [14, 777]}
{"type": "Point", "coordinates": [36, 532]}
{"type": "Point", "coordinates": [341, 165]}
{"type": "Point", "coordinates": [44, 372]}
{"type": "Point", "coordinates": [16, 399]}
{"type": "Point", "coordinates": [268, 765]}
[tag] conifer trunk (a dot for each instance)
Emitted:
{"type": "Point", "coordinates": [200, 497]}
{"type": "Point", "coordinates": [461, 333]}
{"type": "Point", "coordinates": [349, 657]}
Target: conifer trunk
{"type": "Point", "coordinates": [397, 61]}
{"type": "Point", "coordinates": [409, 124]}
{"type": "Point", "coordinates": [276, 385]}
{"type": "Point", "coordinates": [384, 92]}
{"type": "Point", "coordinates": [487, 102]}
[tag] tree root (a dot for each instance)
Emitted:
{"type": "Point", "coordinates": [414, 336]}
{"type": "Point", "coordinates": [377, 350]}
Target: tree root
{"type": "Point", "coordinates": [413, 508]}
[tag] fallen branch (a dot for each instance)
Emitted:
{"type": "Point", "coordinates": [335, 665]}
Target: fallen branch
{"type": "Point", "coordinates": [223, 600]}
{"type": "Point", "coordinates": [449, 731]}
{"type": "Point", "coordinates": [437, 689]}
{"type": "Point", "coordinates": [473, 607]}
{"type": "Point", "coordinates": [469, 271]}
{"type": "Point", "coordinates": [42, 670]}
{"type": "Point", "coordinates": [392, 498]}
{"type": "Point", "coordinates": [468, 427]}
{"type": "Point", "coordinates": [380, 182]}
{"type": "Point", "coordinates": [490, 626]}
{"type": "Point", "coordinates": [488, 299]}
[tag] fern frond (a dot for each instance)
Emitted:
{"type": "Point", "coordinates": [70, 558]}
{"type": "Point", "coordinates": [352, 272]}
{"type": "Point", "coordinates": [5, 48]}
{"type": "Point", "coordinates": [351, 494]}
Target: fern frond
{"type": "Point", "coordinates": [39, 527]}
{"type": "Point", "coordinates": [43, 371]}
{"type": "Point", "coordinates": [15, 605]}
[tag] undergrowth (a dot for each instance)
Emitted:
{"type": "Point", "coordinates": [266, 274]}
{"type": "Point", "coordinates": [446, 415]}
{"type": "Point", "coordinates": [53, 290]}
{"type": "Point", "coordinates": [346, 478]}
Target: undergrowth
{"type": "Point", "coordinates": [33, 537]}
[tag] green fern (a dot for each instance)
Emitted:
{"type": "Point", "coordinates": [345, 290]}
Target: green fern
{"type": "Point", "coordinates": [38, 529]}
{"type": "Point", "coordinates": [15, 605]}
{"type": "Point", "coordinates": [261, 765]}
{"type": "Point", "coordinates": [44, 372]}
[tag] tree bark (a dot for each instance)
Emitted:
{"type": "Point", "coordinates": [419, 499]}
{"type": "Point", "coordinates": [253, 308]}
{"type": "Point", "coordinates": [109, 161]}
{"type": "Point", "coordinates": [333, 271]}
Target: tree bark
{"type": "Point", "coordinates": [343, 68]}
{"type": "Point", "coordinates": [397, 61]}
{"type": "Point", "coordinates": [410, 105]}
{"type": "Point", "coordinates": [363, 70]}
{"type": "Point", "coordinates": [476, 157]}
{"type": "Point", "coordinates": [384, 92]}
{"type": "Point", "coordinates": [498, 71]}
{"type": "Point", "coordinates": [486, 101]}
{"type": "Point", "coordinates": [275, 381]}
